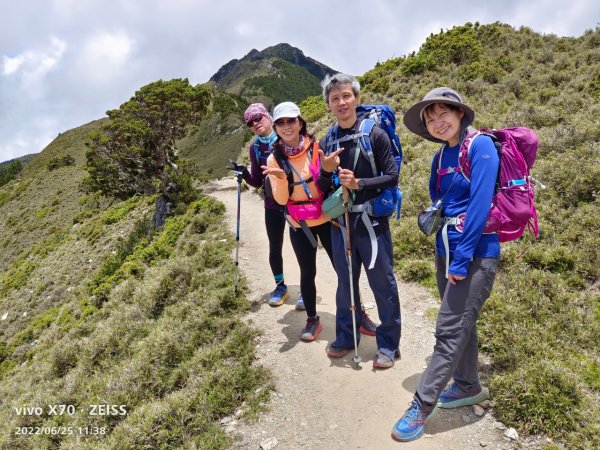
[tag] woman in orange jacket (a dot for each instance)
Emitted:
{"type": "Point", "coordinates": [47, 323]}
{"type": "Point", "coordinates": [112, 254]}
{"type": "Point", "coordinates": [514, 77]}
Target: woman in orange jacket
{"type": "Point", "coordinates": [293, 168]}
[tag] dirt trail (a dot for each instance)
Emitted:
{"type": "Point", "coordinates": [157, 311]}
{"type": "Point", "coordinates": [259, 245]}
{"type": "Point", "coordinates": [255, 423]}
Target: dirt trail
{"type": "Point", "coordinates": [323, 403]}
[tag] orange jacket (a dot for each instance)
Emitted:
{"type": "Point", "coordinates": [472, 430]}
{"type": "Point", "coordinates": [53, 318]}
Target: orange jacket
{"type": "Point", "coordinates": [280, 188]}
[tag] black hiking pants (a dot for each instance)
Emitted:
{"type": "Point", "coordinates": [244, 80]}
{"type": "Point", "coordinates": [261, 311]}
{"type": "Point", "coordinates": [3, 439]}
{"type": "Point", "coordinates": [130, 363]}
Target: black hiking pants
{"type": "Point", "coordinates": [306, 255]}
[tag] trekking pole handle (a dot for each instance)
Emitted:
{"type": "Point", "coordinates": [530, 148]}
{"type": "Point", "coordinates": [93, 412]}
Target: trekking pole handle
{"type": "Point", "coordinates": [238, 169]}
{"type": "Point", "coordinates": [346, 200]}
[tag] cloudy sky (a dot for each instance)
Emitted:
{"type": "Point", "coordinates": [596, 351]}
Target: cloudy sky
{"type": "Point", "coordinates": [64, 63]}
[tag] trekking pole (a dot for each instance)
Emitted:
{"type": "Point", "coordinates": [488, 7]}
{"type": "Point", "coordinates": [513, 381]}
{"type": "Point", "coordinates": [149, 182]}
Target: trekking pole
{"type": "Point", "coordinates": [346, 198]}
{"type": "Point", "coordinates": [237, 232]}
{"type": "Point", "coordinates": [238, 174]}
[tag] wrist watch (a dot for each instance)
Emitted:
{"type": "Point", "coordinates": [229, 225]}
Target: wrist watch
{"type": "Point", "coordinates": [361, 184]}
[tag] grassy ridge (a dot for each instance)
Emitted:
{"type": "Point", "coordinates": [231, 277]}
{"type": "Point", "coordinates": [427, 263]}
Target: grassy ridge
{"type": "Point", "coordinates": [166, 342]}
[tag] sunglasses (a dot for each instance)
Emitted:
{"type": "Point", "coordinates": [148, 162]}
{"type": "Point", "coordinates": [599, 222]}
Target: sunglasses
{"type": "Point", "coordinates": [283, 122]}
{"type": "Point", "coordinates": [254, 120]}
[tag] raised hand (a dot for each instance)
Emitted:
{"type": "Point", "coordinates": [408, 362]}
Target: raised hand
{"type": "Point", "coordinates": [275, 171]}
{"type": "Point", "coordinates": [330, 162]}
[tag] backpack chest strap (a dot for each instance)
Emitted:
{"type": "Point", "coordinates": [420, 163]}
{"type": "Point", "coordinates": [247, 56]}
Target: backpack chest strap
{"type": "Point", "coordinates": [448, 170]}
{"type": "Point", "coordinates": [349, 137]}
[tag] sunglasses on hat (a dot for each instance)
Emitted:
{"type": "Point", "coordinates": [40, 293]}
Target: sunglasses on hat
{"type": "Point", "coordinates": [254, 120]}
{"type": "Point", "coordinates": [283, 122]}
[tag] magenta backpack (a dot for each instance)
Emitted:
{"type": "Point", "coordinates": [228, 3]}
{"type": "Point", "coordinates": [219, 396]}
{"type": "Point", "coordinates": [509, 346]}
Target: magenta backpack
{"type": "Point", "coordinates": [513, 205]}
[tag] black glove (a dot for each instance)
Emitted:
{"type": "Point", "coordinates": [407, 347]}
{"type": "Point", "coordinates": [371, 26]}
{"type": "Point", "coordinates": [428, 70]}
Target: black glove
{"type": "Point", "coordinates": [237, 168]}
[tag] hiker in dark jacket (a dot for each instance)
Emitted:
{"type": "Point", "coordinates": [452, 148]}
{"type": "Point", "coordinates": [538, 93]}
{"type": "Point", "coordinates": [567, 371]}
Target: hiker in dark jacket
{"type": "Point", "coordinates": [341, 93]}
{"type": "Point", "coordinates": [260, 121]}
{"type": "Point", "coordinates": [296, 152]}
{"type": "Point", "coordinates": [466, 261]}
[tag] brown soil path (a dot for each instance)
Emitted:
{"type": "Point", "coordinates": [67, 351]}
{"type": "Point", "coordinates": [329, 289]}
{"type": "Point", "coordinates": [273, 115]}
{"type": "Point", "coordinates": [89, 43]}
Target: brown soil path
{"type": "Point", "coordinates": [323, 404]}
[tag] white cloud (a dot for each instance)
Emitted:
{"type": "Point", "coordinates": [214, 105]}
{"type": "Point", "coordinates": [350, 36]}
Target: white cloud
{"type": "Point", "coordinates": [32, 66]}
{"type": "Point", "coordinates": [76, 59]}
{"type": "Point", "coordinates": [11, 65]}
{"type": "Point", "coordinates": [245, 29]}
{"type": "Point", "coordinates": [105, 55]}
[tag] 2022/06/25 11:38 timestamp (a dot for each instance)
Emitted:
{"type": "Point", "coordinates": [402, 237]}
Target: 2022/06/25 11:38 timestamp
{"type": "Point", "coordinates": [67, 410]}
{"type": "Point", "coordinates": [61, 430]}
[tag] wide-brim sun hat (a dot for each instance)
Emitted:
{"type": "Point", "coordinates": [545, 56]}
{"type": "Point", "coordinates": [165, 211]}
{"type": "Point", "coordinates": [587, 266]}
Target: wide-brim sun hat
{"type": "Point", "coordinates": [413, 118]}
{"type": "Point", "coordinates": [288, 110]}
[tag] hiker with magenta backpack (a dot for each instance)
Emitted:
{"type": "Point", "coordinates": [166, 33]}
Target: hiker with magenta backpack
{"type": "Point", "coordinates": [346, 164]}
{"type": "Point", "coordinates": [260, 122]}
{"type": "Point", "coordinates": [292, 168]}
{"type": "Point", "coordinates": [466, 260]}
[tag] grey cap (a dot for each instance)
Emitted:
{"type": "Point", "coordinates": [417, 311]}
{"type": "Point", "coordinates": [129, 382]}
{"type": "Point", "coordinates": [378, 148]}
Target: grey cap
{"type": "Point", "coordinates": [413, 118]}
{"type": "Point", "coordinates": [286, 109]}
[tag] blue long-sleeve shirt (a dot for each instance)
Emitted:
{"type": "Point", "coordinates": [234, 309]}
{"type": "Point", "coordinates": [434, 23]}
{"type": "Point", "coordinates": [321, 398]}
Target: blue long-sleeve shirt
{"type": "Point", "coordinates": [473, 198]}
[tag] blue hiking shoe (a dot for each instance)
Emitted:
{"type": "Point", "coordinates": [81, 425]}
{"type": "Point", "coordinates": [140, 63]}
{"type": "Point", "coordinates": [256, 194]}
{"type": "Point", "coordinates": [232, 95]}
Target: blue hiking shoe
{"type": "Point", "coordinates": [454, 397]}
{"type": "Point", "coordinates": [411, 425]}
{"type": "Point", "coordinates": [279, 295]}
{"type": "Point", "coordinates": [300, 303]}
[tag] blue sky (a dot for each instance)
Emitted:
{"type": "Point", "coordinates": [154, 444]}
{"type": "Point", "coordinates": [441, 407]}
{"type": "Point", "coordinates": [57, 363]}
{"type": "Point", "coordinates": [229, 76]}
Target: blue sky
{"type": "Point", "coordinates": [64, 63]}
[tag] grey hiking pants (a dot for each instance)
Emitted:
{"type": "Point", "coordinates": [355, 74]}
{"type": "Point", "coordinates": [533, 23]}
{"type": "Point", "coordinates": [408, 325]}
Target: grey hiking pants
{"type": "Point", "coordinates": [455, 353]}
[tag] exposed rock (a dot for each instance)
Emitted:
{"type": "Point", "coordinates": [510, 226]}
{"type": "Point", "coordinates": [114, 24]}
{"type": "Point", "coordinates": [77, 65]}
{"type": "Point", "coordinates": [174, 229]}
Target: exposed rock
{"type": "Point", "coordinates": [500, 426]}
{"type": "Point", "coordinates": [485, 404]}
{"type": "Point", "coordinates": [478, 410]}
{"type": "Point", "coordinates": [512, 434]}
{"type": "Point", "coordinates": [268, 444]}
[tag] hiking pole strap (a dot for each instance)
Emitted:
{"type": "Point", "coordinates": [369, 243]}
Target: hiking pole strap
{"type": "Point", "coordinates": [448, 221]}
{"type": "Point", "coordinates": [369, 226]}
{"type": "Point", "coordinates": [372, 237]}
{"type": "Point", "coordinates": [309, 235]}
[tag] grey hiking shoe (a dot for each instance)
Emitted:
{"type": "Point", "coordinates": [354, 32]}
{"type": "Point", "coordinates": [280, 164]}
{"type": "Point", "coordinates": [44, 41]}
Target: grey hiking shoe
{"type": "Point", "coordinates": [367, 326]}
{"type": "Point", "coordinates": [383, 361]}
{"type": "Point", "coordinates": [312, 329]}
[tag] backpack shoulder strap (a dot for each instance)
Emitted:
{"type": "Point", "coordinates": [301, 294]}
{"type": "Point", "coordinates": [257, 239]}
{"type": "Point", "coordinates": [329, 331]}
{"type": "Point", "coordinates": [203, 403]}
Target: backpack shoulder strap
{"type": "Point", "coordinates": [257, 150]}
{"type": "Point", "coordinates": [364, 140]}
{"type": "Point", "coordinates": [330, 138]}
{"type": "Point", "coordinates": [315, 154]}
{"type": "Point", "coordinates": [464, 163]}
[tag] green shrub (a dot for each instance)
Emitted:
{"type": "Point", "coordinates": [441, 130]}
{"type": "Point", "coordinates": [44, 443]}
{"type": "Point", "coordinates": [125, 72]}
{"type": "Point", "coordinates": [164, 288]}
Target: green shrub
{"type": "Point", "coordinates": [313, 108]}
{"type": "Point", "coordinates": [9, 171]}
{"type": "Point", "coordinates": [60, 161]}
{"type": "Point", "coordinates": [541, 397]}
{"type": "Point", "coordinates": [417, 271]}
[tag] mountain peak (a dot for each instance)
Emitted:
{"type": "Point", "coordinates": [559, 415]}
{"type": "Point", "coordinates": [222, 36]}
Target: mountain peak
{"type": "Point", "coordinates": [254, 63]}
